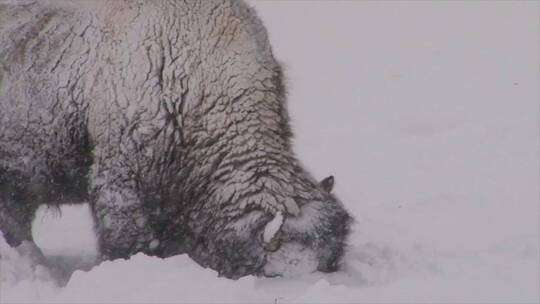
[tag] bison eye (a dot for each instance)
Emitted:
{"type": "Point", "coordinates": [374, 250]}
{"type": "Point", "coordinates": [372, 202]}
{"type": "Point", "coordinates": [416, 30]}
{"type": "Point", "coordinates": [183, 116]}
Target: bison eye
{"type": "Point", "coordinates": [273, 245]}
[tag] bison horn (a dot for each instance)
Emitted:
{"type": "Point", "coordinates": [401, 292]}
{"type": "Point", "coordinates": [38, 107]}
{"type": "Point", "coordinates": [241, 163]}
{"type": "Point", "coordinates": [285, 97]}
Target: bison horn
{"type": "Point", "coordinates": [271, 243]}
{"type": "Point", "coordinates": [291, 206]}
{"type": "Point", "coordinates": [327, 184]}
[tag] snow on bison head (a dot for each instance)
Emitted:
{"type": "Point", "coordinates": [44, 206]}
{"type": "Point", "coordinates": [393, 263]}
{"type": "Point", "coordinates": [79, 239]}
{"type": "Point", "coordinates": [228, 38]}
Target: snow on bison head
{"type": "Point", "coordinates": [311, 240]}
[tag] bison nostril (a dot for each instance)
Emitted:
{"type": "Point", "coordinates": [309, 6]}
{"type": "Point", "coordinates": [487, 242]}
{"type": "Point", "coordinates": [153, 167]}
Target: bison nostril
{"type": "Point", "coordinates": [330, 265]}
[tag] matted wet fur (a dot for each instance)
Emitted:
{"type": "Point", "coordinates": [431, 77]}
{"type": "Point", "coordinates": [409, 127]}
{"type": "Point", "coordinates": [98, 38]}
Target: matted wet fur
{"type": "Point", "coordinates": [169, 117]}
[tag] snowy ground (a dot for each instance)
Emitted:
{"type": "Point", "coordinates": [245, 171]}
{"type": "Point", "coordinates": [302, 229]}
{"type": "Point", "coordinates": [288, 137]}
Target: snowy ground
{"type": "Point", "coordinates": [426, 113]}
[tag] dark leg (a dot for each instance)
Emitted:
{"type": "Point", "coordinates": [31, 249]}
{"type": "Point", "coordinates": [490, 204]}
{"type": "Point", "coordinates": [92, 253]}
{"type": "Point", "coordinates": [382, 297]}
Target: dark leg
{"type": "Point", "coordinates": [17, 208]}
{"type": "Point", "coordinates": [121, 224]}
{"type": "Point", "coordinates": [22, 192]}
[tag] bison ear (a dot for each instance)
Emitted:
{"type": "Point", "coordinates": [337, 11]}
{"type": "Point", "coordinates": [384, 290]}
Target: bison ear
{"type": "Point", "coordinates": [327, 184]}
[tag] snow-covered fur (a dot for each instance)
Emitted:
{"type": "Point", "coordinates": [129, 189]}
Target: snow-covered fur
{"type": "Point", "coordinates": [169, 117]}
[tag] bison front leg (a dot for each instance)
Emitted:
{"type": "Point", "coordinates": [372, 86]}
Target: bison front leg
{"type": "Point", "coordinates": [17, 209]}
{"type": "Point", "coordinates": [18, 205]}
{"type": "Point", "coordinates": [120, 221]}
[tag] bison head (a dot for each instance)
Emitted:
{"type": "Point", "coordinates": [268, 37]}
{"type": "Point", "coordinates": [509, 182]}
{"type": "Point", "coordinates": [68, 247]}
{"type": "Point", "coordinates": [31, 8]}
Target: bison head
{"type": "Point", "coordinates": [311, 240]}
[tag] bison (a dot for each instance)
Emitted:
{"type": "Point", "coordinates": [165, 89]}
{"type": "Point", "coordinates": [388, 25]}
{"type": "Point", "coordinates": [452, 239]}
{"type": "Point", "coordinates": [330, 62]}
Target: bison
{"type": "Point", "coordinates": [169, 117]}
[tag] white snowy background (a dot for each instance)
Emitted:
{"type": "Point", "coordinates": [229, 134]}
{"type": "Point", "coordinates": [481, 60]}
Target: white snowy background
{"type": "Point", "coordinates": [426, 112]}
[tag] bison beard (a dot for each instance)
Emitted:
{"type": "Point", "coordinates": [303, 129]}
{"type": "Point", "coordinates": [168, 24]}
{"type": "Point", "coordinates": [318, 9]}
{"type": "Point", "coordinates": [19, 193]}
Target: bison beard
{"type": "Point", "coordinates": [169, 117]}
